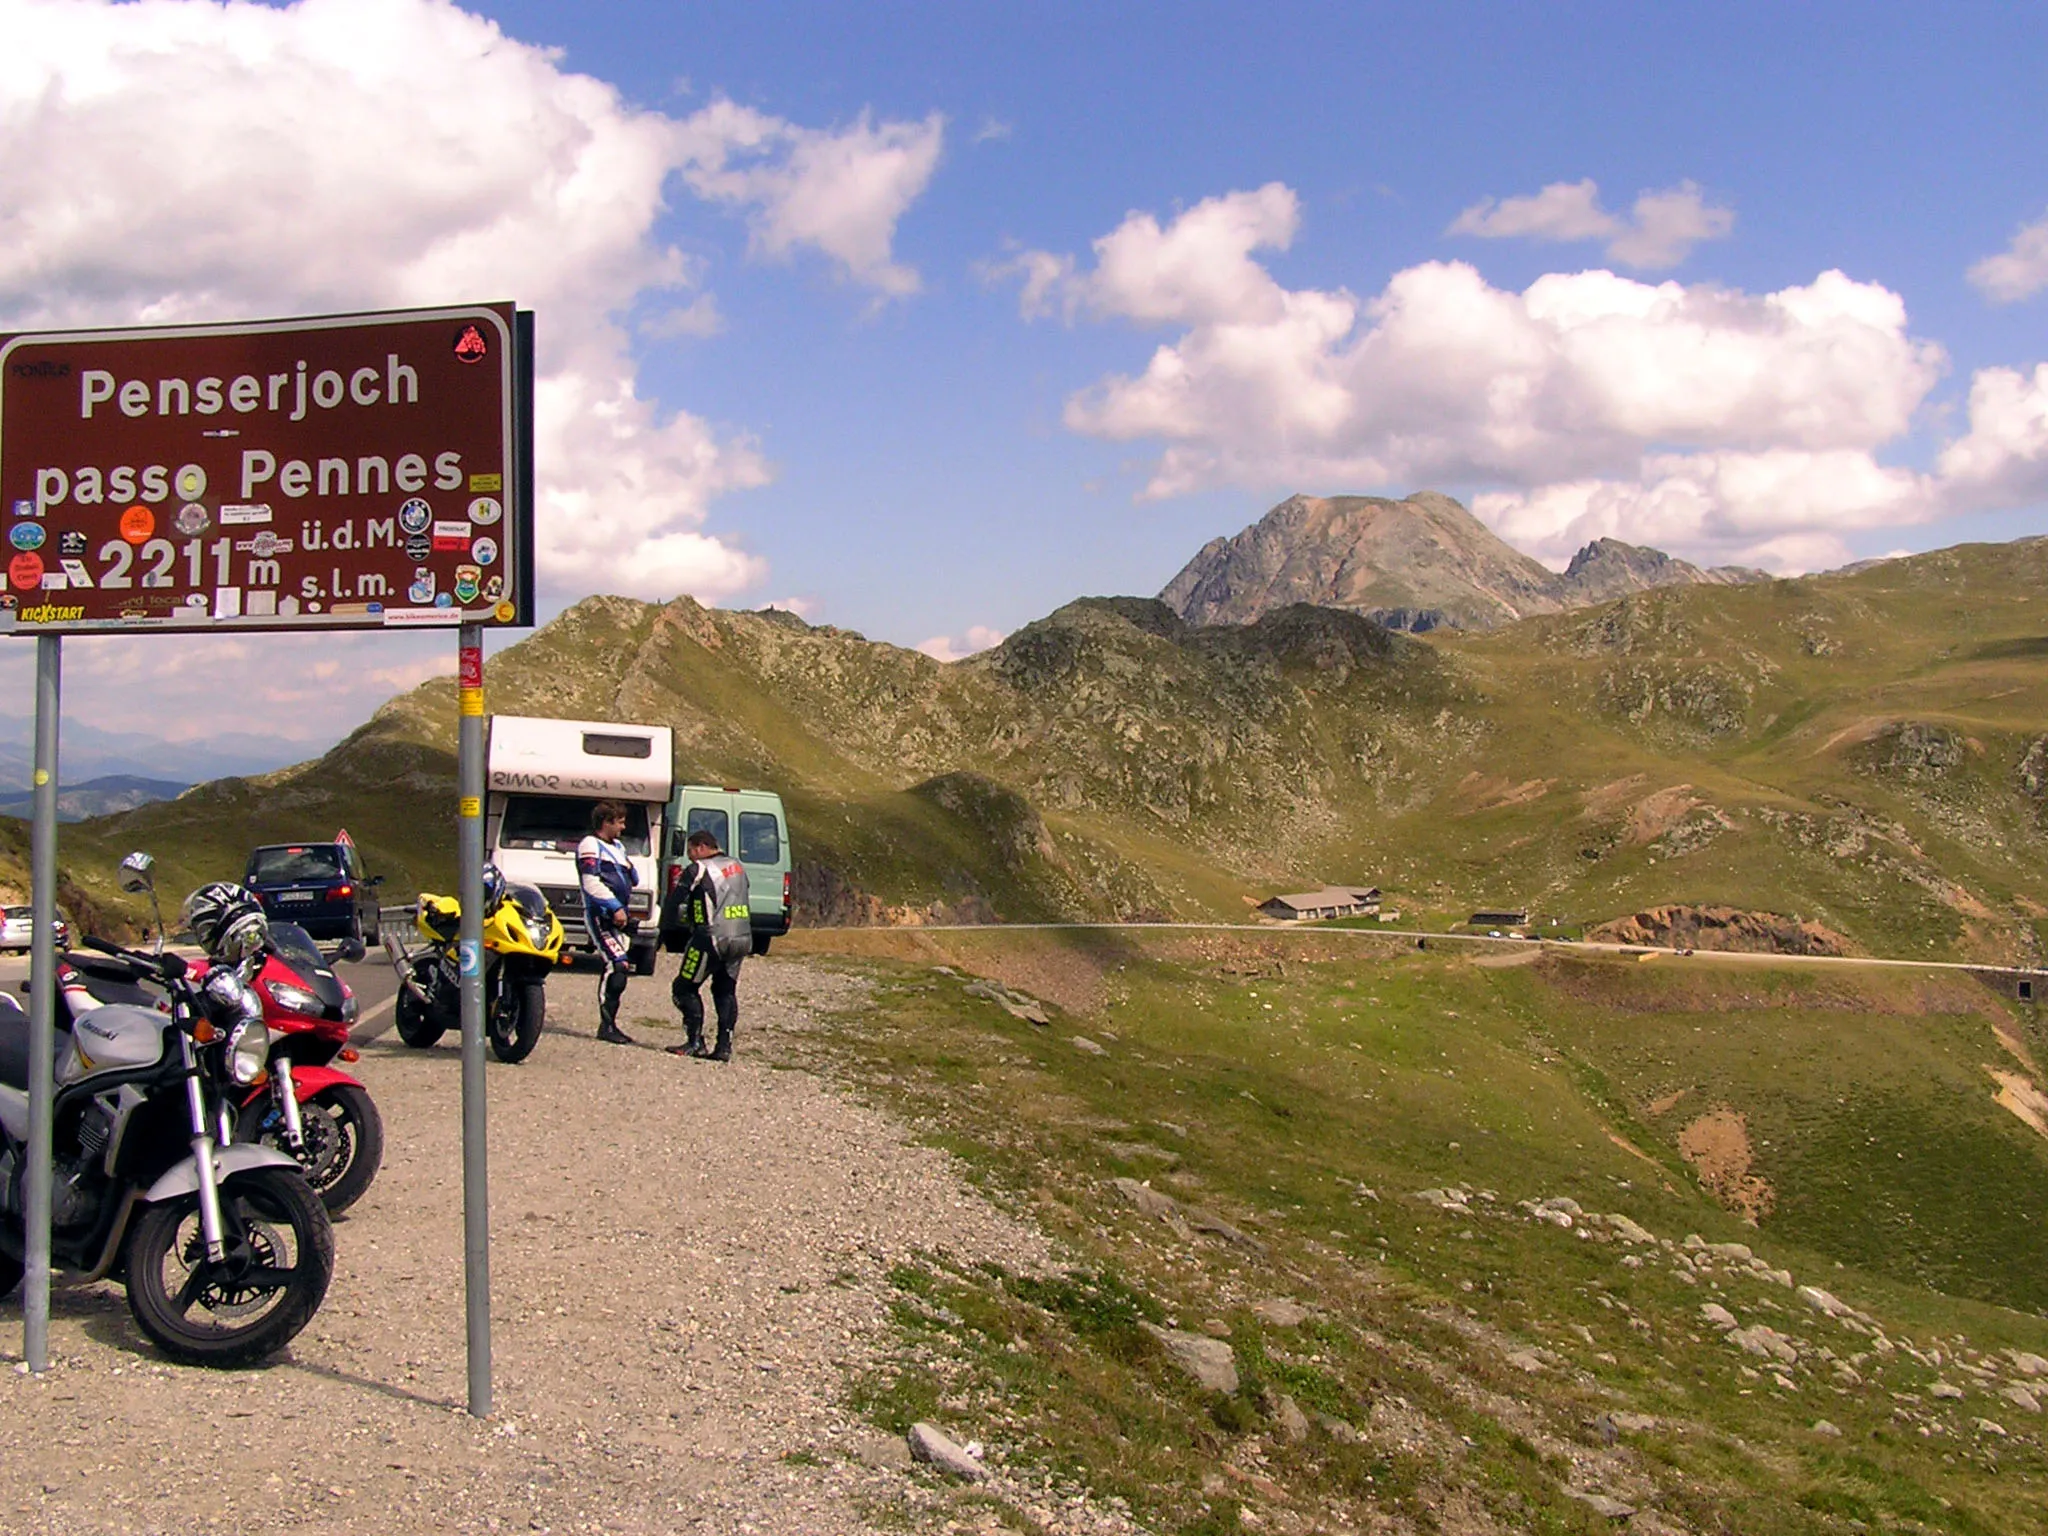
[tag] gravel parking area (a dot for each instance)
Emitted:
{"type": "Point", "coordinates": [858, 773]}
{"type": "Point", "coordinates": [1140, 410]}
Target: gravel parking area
{"type": "Point", "coordinates": [687, 1260]}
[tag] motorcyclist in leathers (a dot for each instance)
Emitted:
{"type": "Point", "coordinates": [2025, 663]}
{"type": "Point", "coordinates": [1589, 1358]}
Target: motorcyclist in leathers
{"type": "Point", "coordinates": [706, 916]}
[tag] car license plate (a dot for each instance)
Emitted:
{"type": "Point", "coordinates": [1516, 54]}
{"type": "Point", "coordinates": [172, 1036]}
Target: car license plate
{"type": "Point", "coordinates": [295, 896]}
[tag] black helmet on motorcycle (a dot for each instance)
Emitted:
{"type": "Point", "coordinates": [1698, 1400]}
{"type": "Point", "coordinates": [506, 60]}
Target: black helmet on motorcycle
{"type": "Point", "coordinates": [494, 888]}
{"type": "Point", "coordinates": [227, 921]}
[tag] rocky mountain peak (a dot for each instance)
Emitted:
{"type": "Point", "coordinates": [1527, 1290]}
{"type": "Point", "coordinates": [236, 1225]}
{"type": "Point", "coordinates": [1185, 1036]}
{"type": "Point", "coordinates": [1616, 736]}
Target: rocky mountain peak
{"type": "Point", "coordinates": [1413, 564]}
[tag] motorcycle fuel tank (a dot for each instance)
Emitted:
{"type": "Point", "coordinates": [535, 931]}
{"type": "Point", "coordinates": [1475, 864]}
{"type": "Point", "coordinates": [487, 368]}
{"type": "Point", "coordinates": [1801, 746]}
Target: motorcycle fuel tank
{"type": "Point", "coordinates": [111, 1038]}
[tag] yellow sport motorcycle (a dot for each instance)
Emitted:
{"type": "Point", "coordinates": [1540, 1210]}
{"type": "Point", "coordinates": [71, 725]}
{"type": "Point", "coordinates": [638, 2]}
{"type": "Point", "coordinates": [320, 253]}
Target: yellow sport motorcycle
{"type": "Point", "coordinates": [522, 943]}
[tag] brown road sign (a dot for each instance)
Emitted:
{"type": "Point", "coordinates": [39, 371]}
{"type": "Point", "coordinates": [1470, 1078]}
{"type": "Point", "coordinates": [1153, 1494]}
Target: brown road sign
{"type": "Point", "coordinates": [344, 472]}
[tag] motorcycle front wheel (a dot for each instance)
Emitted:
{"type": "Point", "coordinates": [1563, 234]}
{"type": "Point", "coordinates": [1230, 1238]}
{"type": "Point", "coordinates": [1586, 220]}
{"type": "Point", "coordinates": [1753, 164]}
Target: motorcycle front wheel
{"type": "Point", "coordinates": [418, 1025]}
{"type": "Point", "coordinates": [280, 1258]}
{"type": "Point", "coordinates": [514, 1018]}
{"type": "Point", "coordinates": [344, 1142]}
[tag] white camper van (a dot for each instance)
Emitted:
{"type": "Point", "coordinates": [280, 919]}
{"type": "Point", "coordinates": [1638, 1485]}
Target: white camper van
{"type": "Point", "coordinates": [544, 777]}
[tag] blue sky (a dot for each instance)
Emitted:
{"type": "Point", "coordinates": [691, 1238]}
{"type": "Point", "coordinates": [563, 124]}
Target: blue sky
{"type": "Point", "coordinates": [924, 482]}
{"type": "Point", "coordinates": [784, 257]}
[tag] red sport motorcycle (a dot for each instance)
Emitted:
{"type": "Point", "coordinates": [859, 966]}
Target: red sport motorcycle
{"type": "Point", "coordinates": [322, 1117]}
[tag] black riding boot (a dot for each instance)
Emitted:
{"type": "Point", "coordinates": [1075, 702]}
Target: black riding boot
{"type": "Point", "coordinates": [691, 1006]}
{"type": "Point", "coordinates": [723, 1050]}
{"type": "Point", "coordinates": [608, 1009]}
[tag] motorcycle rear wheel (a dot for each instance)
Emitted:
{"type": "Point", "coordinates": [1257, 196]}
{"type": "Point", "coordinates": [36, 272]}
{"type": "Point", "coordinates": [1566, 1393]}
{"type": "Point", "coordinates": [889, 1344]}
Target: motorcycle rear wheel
{"type": "Point", "coordinates": [11, 1271]}
{"type": "Point", "coordinates": [415, 1021]}
{"type": "Point", "coordinates": [344, 1142]}
{"type": "Point", "coordinates": [515, 1019]}
{"type": "Point", "coordinates": [249, 1306]}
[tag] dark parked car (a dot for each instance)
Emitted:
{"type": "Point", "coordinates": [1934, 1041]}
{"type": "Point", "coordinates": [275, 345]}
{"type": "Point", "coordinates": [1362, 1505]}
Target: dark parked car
{"type": "Point", "coordinates": [319, 886]}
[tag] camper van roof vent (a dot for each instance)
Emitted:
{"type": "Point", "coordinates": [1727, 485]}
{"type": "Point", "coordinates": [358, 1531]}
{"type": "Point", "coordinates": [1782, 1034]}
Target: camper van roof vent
{"type": "Point", "coordinates": [600, 745]}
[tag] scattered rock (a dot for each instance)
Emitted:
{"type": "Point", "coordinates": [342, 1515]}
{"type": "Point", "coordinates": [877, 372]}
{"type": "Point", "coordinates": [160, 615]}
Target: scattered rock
{"type": "Point", "coordinates": [1211, 1362]}
{"type": "Point", "coordinates": [1734, 1253]}
{"type": "Point", "coordinates": [1526, 1360]}
{"type": "Point", "coordinates": [1989, 1427]}
{"type": "Point", "coordinates": [1717, 1314]}
{"type": "Point", "coordinates": [932, 1445]}
{"type": "Point", "coordinates": [1945, 1389]}
{"type": "Point", "coordinates": [1280, 1312]}
{"type": "Point", "coordinates": [1083, 1043]}
{"type": "Point", "coordinates": [1627, 1230]}
{"type": "Point", "coordinates": [1292, 1421]}
{"type": "Point", "coordinates": [1766, 1343]}
{"type": "Point", "coordinates": [1147, 1199]}
{"type": "Point", "coordinates": [1017, 1004]}
{"type": "Point", "coordinates": [1602, 1504]}
{"type": "Point", "coordinates": [1544, 1210]}
{"type": "Point", "coordinates": [1823, 1427]}
{"type": "Point", "coordinates": [1821, 1301]}
{"type": "Point", "coordinates": [1340, 1430]}
{"type": "Point", "coordinates": [1634, 1423]}
{"type": "Point", "coordinates": [1216, 1226]}
{"type": "Point", "coordinates": [2026, 1364]}
{"type": "Point", "coordinates": [2020, 1397]}
{"type": "Point", "coordinates": [1443, 1199]}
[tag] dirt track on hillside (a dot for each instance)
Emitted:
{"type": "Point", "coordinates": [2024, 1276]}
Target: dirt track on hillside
{"type": "Point", "coordinates": [688, 1261]}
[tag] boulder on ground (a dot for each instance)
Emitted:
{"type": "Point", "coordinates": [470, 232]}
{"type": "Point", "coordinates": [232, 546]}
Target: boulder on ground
{"type": "Point", "coordinates": [932, 1445]}
{"type": "Point", "coordinates": [1211, 1362]}
{"type": "Point", "coordinates": [1280, 1312]}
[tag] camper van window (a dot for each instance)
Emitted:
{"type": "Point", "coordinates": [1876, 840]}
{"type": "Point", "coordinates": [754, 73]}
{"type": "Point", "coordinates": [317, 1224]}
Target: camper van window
{"type": "Point", "coordinates": [559, 822]}
{"type": "Point", "coordinates": [760, 843]}
{"type": "Point", "coordinates": [617, 746]}
{"type": "Point", "coordinates": [704, 819]}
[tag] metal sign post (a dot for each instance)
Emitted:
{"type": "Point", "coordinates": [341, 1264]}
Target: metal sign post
{"type": "Point", "coordinates": [476, 1183]}
{"type": "Point", "coordinates": [332, 472]}
{"type": "Point", "coordinates": [42, 1003]}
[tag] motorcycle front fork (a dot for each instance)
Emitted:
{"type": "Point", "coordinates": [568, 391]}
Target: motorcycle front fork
{"type": "Point", "coordinates": [211, 1226]}
{"type": "Point", "coordinates": [288, 1104]}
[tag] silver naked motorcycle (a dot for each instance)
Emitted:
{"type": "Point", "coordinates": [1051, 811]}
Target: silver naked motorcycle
{"type": "Point", "coordinates": [224, 1248]}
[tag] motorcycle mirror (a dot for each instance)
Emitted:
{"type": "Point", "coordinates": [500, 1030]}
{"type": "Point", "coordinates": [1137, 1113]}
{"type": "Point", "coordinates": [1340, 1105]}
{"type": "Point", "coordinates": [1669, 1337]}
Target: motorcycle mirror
{"type": "Point", "coordinates": [350, 949]}
{"type": "Point", "coordinates": [136, 875]}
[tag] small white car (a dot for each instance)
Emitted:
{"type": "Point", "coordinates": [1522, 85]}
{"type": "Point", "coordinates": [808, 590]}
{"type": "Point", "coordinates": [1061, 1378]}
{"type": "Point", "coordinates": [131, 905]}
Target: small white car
{"type": "Point", "coordinates": [17, 928]}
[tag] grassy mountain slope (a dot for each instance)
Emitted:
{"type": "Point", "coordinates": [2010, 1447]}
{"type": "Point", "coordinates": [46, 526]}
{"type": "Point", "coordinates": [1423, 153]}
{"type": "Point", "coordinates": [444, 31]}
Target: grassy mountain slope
{"type": "Point", "coordinates": [1364, 1130]}
{"type": "Point", "coordinates": [1863, 751]}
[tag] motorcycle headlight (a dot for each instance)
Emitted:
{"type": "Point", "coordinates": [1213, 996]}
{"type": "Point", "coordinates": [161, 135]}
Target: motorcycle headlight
{"type": "Point", "coordinates": [348, 1007]}
{"type": "Point", "coordinates": [249, 1053]}
{"type": "Point", "coordinates": [296, 998]}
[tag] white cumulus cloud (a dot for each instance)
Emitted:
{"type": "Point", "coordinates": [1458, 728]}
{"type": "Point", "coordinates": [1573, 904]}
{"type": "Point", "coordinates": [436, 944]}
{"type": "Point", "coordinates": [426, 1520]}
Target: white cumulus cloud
{"type": "Point", "coordinates": [840, 190]}
{"type": "Point", "coordinates": [1720, 424]}
{"type": "Point", "coordinates": [173, 160]}
{"type": "Point", "coordinates": [2020, 270]}
{"type": "Point", "coordinates": [979, 637]}
{"type": "Point", "coordinates": [1661, 230]}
